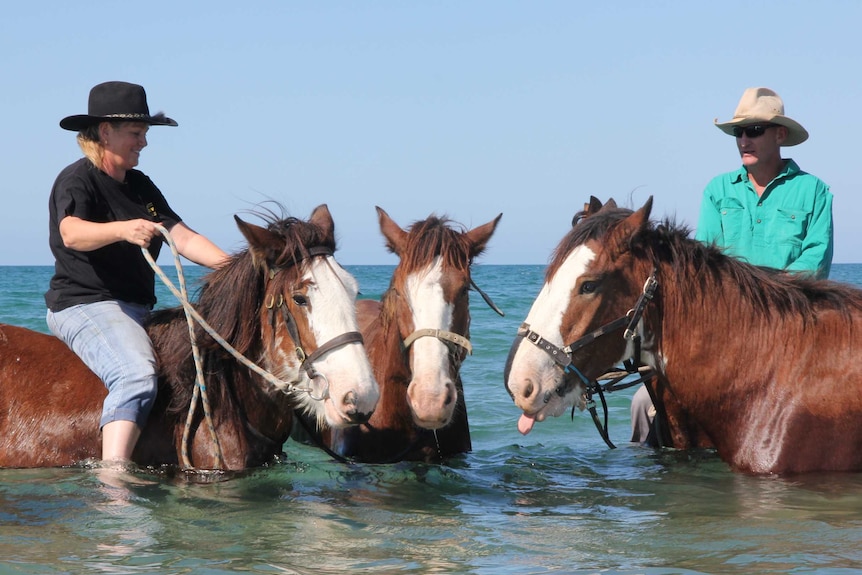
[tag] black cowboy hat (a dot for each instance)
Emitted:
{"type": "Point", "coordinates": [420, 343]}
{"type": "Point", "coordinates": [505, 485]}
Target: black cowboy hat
{"type": "Point", "coordinates": [115, 101]}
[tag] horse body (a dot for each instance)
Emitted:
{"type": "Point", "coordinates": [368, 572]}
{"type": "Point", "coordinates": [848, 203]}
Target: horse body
{"type": "Point", "coordinates": [416, 338]}
{"type": "Point", "coordinates": [50, 402]}
{"type": "Point", "coordinates": [284, 303]}
{"type": "Point", "coordinates": [757, 363]}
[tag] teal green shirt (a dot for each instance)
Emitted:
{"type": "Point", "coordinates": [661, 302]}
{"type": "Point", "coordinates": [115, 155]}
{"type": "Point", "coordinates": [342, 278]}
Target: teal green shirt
{"type": "Point", "coordinates": [789, 227]}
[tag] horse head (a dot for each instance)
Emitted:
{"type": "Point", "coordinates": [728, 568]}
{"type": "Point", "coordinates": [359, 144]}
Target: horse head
{"type": "Point", "coordinates": [310, 334]}
{"type": "Point", "coordinates": [430, 291]}
{"type": "Point", "coordinates": [589, 287]}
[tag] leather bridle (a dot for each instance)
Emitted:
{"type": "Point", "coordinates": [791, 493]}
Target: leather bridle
{"type": "Point", "coordinates": [306, 361]}
{"type": "Point", "coordinates": [564, 356]}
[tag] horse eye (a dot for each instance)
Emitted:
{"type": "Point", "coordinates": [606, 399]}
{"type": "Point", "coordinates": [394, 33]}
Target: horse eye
{"type": "Point", "coordinates": [589, 287]}
{"type": "Point", "coordinates": [300, 300]}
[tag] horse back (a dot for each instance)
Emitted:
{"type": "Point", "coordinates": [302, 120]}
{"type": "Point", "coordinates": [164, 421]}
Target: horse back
{"type": "Point", "coordinates": [50, 402]}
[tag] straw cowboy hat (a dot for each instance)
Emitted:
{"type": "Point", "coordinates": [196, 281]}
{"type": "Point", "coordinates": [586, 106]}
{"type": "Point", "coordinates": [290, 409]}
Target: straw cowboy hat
{"type": "Point", "coordinates": [119, 101]}
{"type": "Point", "coordinates": [762, 105]}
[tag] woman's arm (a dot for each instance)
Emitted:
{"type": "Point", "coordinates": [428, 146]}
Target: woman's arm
{"type": "Point", "coordinates": [85, 236]}
{"type": "Point", "coordinates": [197, 248]}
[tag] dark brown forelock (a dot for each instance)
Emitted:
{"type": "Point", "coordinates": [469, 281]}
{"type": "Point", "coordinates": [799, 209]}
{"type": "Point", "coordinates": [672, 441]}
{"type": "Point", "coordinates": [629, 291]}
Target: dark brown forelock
{"type": "Point", "coordinates": [433, 237]}
{"type": "Point", "coordinates": [298, 236]}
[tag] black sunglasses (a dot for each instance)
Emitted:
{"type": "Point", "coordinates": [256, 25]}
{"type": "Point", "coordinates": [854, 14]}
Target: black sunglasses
{"type": "Point", "coordinates": [751, 131]}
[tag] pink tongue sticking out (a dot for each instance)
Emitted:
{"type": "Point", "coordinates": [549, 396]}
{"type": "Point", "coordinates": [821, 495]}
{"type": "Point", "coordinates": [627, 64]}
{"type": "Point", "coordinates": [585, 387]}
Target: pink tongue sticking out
{"type": "Point", "coordinates": [525, 423]}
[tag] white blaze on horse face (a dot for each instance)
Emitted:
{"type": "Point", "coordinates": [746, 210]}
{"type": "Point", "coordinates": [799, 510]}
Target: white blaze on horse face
{"type": "Point", "coordinates": [431, 392]}
{"type": "Point", "coordinates": [534, 376]}
{"type": "Point", "coordinates": [352, 389]}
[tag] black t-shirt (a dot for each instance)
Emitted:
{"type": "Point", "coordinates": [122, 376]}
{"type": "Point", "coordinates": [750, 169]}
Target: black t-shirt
{"type": "Point", "coordinates": [116, 271]}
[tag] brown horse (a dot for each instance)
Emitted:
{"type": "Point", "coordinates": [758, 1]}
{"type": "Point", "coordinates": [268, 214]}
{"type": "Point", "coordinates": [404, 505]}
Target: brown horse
{"type": "Point", "coordinates": [417, 336]}
{"type": "Point", "coordinates": [284, 303]}
{"type": "Point", "coordinates": [759, 363]}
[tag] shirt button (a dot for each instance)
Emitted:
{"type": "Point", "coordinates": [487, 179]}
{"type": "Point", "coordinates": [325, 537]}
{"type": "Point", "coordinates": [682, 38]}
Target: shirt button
{"type": "Point", "coordinates": [758, 221]}
{"type": "Point", "coordinates": [793, 217]}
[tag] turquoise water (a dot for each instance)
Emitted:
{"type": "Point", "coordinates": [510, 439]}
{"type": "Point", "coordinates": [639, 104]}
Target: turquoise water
{"type": "Point", "coordinates": [555, 501]}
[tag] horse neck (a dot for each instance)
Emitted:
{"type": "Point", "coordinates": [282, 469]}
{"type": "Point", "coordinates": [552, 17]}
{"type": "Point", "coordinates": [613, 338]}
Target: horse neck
{"type": "Point", "coordinates": [702, 324]}
{"type": "Point", "coordinates": [251, 420]}
{"type": "Point", "coordinates": [390, 363]}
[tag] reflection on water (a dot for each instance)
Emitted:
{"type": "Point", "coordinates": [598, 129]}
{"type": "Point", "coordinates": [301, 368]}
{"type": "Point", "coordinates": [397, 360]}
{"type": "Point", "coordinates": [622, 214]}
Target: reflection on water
{"type": "Point", "coordinates": [556, 501]}
{"type": "Point", "coordinates": [513, 510]}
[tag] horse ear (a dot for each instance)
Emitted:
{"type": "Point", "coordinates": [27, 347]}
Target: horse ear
{"type": "Point", "coordinates": [639, 219]}
{"type": "Point", "coordinates": [647, 208]}
{"type": "Point", "coordinates": [479, 236]}
{"type": "Point", "coordinates": [611, 203]}
{"type": "Point", "coordinates": [322, 218]}
{"type": "Point", "coordinates": [263, 245]}
{"type": "Point", "coordinates": [623, 234]}
{"type": "Point", "coordinates": [396, 237]}
{"type": "Point", "coordinates": [593, 206]}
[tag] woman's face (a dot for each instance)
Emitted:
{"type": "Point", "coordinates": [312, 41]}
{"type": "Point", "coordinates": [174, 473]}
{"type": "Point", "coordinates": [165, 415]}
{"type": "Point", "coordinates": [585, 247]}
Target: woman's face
{"type": "Point", "coordinates": [123, 144]}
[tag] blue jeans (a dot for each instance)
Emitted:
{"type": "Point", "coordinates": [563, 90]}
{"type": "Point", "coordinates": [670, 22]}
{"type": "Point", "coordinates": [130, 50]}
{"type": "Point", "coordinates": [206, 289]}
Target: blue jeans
{"type": "Point", "coordinates": [110, 339]}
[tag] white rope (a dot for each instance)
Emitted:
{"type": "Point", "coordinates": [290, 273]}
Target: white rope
{"type": "Point", "coordinates": [200, 390]}
{"type": "Point", "coordinates": [287, 387]}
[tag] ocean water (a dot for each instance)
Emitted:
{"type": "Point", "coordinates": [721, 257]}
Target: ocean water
{"type": "Point", "coordinates": [555, 501]}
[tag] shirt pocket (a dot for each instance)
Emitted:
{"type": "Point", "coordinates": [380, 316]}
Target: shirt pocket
{"type": "Point", "coordinates": [788, 226]}
{"type": "Point", "coordinates": [734, 220]}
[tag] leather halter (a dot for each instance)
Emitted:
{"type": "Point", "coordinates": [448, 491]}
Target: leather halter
{"type": "Point", "coordinates": [307, 360]}
{"type": "Point", "coordinates": [563, 356]}
{"type": "Point", "coordinates": [442, 335]}
{"type": "Point", "coordinates": [448, 336]}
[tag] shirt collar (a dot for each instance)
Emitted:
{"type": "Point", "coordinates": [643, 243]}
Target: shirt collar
{"type": "Point", "coordinates": [790, 168]}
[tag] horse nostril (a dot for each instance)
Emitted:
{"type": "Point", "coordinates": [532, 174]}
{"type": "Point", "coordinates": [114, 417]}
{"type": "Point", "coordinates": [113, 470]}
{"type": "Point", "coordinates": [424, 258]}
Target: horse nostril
{"type": "Point", "coordinates": [349, 399]}
{"type": "Point", "coordinates": [528, 389]}
{"type": "Point", "coordinates": [451, 394]}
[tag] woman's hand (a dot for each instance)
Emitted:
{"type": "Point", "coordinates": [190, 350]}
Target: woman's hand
{"type": "Point", "coordinates": [138, 232]}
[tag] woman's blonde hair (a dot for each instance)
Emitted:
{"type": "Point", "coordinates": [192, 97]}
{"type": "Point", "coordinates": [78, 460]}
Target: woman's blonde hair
{"type": "Point", "coordinates": [91, 145]}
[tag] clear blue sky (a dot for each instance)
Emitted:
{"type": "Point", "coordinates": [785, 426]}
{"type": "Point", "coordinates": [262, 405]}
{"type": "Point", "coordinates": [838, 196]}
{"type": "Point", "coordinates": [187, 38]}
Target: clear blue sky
{"type": "Point", "coordinates": [465, 109]}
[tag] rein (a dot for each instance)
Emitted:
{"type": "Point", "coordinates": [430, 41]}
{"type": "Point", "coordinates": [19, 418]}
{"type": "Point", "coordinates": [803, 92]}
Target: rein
{"type": "Point", "coordinates": [564, 356]}
{"type": "Point", "coordinates": [192, 316]}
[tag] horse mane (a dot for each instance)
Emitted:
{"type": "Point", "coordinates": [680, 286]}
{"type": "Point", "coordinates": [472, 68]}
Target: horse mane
{"type": "Point", "coordinates": [770, 292]}
{"type": "Point", "coordinates": [229, 300]}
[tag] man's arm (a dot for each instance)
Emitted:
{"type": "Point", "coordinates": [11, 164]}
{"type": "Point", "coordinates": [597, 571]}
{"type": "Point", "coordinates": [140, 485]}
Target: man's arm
{"type": "Point", "coordinates": [817, 245]}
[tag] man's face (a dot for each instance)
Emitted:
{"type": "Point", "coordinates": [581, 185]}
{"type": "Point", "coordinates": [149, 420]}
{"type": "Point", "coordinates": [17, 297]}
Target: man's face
{"type": "Point", "coordinates": [760, 143]}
